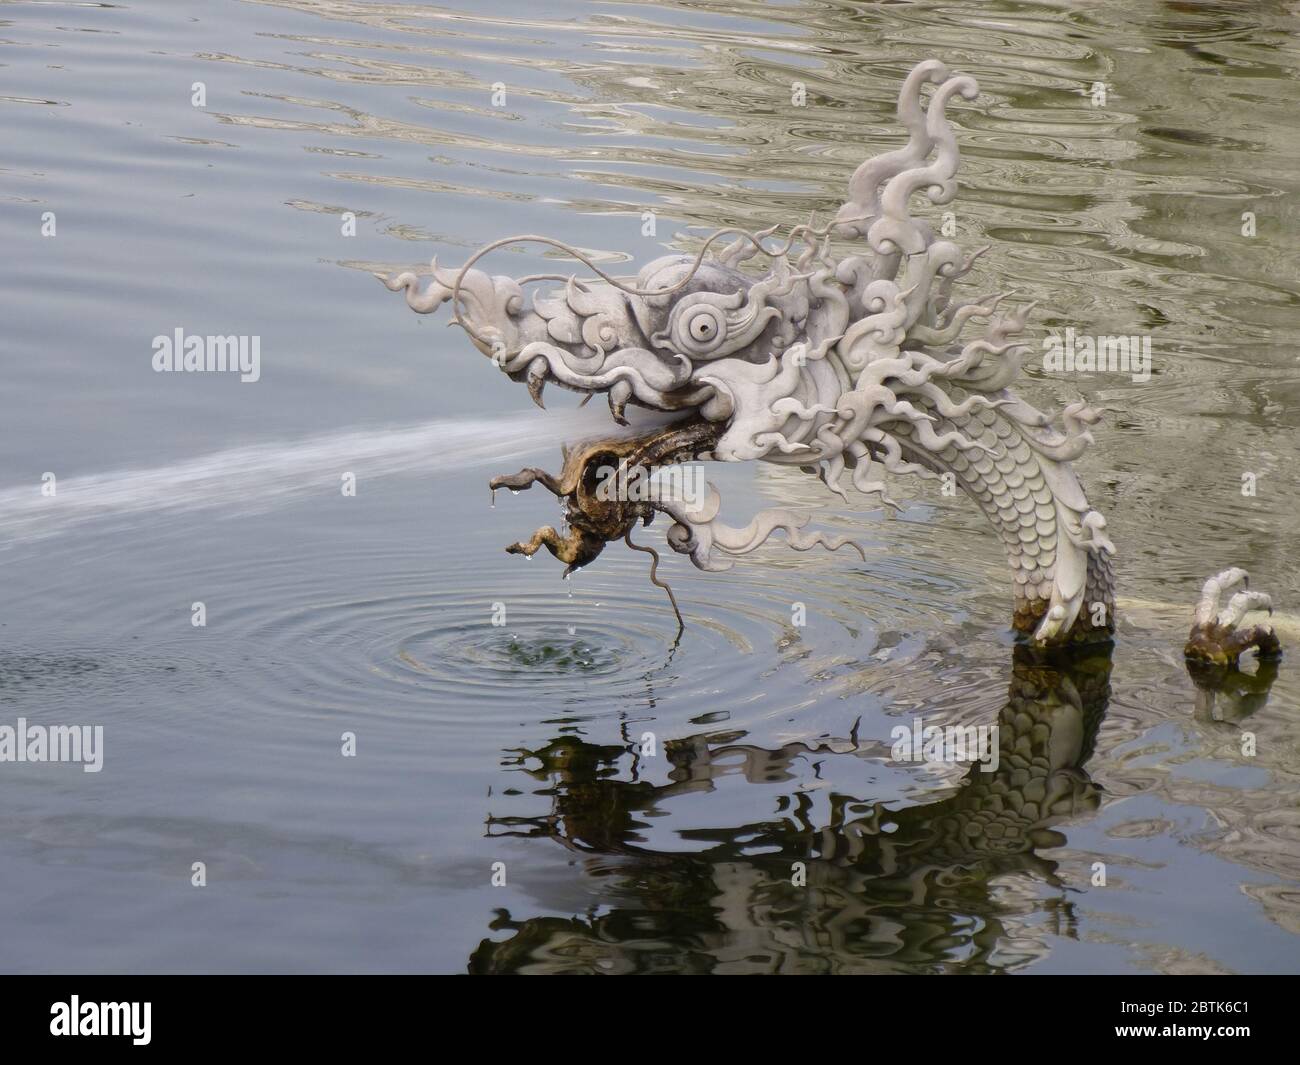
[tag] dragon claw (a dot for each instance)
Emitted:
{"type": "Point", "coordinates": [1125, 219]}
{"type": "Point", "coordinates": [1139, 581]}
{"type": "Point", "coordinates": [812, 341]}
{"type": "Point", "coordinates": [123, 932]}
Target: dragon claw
{"type": "Point", "coordinates": [1216, 638]}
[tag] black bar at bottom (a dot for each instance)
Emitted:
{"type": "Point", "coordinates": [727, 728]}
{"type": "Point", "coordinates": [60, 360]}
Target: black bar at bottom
{"type": "Point", "coordinates": [338, 1013]}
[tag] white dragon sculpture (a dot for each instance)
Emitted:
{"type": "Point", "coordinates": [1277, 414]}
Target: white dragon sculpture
{"type": "Point", "coordinates": [840, 364]}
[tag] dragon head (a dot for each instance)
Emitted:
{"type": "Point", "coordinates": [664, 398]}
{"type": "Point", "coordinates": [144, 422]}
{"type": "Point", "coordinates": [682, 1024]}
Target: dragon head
{"type": "Point", "coordinates": [665, 340]}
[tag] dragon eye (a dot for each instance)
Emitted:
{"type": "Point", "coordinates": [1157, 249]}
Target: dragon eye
{"type": "Point", "coordinates": [703, 327]}
{"type": "Point", "coordinates": [700, 329]}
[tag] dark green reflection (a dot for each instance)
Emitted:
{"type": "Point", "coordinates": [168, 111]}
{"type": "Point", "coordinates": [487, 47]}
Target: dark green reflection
{"type": "Point", "coordinates": [886, 889]}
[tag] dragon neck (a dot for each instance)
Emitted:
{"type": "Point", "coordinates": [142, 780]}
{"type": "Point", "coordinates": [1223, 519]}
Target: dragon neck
{"type": "Point", "coordinates": [1061, 569]}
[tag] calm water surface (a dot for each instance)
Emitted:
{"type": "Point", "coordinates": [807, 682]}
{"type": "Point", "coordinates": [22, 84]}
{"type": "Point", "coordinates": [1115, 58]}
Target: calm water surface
{"type": "Point", "coordinates": [519, 744]}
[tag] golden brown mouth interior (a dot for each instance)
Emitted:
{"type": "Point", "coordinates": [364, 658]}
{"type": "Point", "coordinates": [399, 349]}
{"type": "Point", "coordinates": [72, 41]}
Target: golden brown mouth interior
{"type": "Point", "coordinates": [596, 512]}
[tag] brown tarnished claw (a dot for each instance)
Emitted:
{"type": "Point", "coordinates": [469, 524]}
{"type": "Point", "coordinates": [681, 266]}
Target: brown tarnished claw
{"type": "Point", "coordinates": [1215, 639]}
{"type": "Point", "coordinates": [594, 512]}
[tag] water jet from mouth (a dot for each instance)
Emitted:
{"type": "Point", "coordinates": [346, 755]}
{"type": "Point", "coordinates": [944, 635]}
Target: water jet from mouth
{"type": "Point", "coordinates": [257, 477]}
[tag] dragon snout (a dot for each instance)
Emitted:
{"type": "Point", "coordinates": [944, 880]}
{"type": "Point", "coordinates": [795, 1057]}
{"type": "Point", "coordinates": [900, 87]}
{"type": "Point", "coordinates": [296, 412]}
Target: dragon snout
{"type": "Point", "coordinates": [488, 308]}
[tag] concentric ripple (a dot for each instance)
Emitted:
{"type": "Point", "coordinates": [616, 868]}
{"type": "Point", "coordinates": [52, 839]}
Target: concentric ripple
{"type": "Point", "coordinates": [520, 648]}
{"type": "Point", "coordinates": [463, 635]}
{"type": "Point", "coordinates": [312, 616]}
{"type": "Point", "coordinates": [440, 651]}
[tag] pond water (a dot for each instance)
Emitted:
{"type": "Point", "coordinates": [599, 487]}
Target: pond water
{"type": "Point", "coordinates": [524, 743]}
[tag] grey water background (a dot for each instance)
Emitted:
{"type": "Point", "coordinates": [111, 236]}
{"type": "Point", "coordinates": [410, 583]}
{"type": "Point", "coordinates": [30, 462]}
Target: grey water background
{"type": "Point", "coordinates": [480, 744]}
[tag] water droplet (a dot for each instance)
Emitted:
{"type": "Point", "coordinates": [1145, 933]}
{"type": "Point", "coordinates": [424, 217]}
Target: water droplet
{"type": "Point", "coordinates": [494, 499]}
{"type": "Point", "coordinates": [514, 491]}
{"type": "Point", "coordinates": [572, 630]}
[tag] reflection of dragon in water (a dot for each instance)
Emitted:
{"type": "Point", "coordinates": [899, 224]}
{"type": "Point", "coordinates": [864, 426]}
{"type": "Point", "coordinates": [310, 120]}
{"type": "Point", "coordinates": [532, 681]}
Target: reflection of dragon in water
{"type": "Point", "coordinates": [956, 884]}
{"type": "Point", "coordinates": [842, 359]}
{"type": "Point", "coordinates": [885, 889]}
